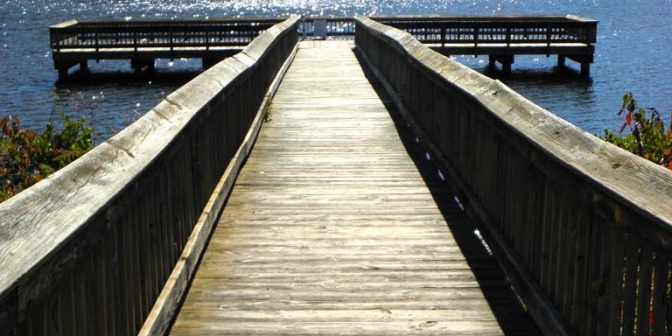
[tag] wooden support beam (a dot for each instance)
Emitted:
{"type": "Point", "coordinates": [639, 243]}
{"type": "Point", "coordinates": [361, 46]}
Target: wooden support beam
{"type": "Point", "coordinates": [505, 60]}
{"type": "Point", "coordinates": [585, 69]}
{"type": "Point", "coordinates": [62, 73]}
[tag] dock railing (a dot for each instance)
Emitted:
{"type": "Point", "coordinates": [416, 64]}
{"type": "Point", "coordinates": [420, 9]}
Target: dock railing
{"type": "Point", "coordinates": [499, 29]}
{"type": "Point", "coordinates": [322, 27]}
{"type": "Point", "coordinates": [142, 41]}
{"type": "Point", "coordinates": [171, 34]}
{"type": "Point", "coordinates": [582, 228]}
{"type": "Point", "coordinates": [501, 37]}
{"type": "Point", "coordinates": [88, 250]}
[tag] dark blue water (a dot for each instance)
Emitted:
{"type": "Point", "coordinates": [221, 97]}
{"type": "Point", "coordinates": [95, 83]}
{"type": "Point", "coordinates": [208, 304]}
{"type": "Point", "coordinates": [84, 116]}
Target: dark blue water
{"type": "Point", "coordinates": [632, 54]}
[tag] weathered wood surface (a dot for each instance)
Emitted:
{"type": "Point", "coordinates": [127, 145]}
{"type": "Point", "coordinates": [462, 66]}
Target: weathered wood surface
{"type": "Point", "coordinates": [332, 228]}
{"type": "Point", "coordinates": [583, 227]}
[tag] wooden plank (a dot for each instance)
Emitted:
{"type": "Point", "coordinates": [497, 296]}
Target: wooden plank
{"type": "Point", "coordinates": [332, 227]}
{"type": "Point", "coordinates": [660, 309]}
{"type": "Point", "coordinates": [630, 287]}
{"type": "Point", "coordinates": [644, 292]}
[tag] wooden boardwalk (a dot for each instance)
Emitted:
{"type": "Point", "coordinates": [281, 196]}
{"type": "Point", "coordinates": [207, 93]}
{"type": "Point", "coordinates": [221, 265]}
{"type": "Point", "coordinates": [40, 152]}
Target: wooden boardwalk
{"type": "Point", "coordinates": [333, 226]}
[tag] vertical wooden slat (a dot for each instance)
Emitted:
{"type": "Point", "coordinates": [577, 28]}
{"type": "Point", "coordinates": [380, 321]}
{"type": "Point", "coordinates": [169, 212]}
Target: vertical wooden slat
{"type": "Point", "coordinates": [563, 253]}
{"type": "Point", "coordinates": [141, 255]}
{"type": "Point", "coordinates": [615, 291]}
{"type": "Point", "coordinates": [158, 234]}
{"type": "Point", "coordinates": [660, 295]}
{"type": "Point", "coordinates": [644, 291]}
{"type": "Point", "coordinates": [668, 301]}
{"type": "Point", "coordinates": [630, 287]}
{"type": "Point", "coordinates": [535, 231]}
{"type": "Point", "coordinates": [581, 265]}
{"type": "Point", "coordinates": [89, 291]}
{"type": "Point", "coordinates": [114, 282]}
{"type": "Point", "coordinates": [101, 262]}
{"type": "Point", "coordinates": [609, 278]}
{"type": "Point", "coordinates": [136, 295]}
{"type": "Point", "coordinates": [167, 229]}
{"type": "Point", "coordinates": [548, 219]}
{"type": "Point", "coordinates": [125, 314]}
{"type": "Point", "coordinates": [568, 255]}
{"type": "Point", "coordinates": [65, 314]}
{"type": "Point", "coordinates": [600, 280]}
{"type": "Point", "coordinates": [594, 285]}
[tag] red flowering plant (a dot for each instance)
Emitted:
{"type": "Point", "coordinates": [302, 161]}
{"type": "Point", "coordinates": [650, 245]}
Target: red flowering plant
{"type": "Point", "coordinates": [26, 156]}
{"type": "Point", "coordinates": [647, 136]}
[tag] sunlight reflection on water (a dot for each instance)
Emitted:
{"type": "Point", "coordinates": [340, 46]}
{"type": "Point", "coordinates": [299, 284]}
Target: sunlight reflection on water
{"type": "Point", "coordinates": [631, 55]}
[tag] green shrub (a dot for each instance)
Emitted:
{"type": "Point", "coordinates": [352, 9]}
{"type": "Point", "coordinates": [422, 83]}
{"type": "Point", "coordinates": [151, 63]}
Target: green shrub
{"type": "Point", "coordinates": [647, 136]}
{"type": "Point", "coordinates": [26, 156]}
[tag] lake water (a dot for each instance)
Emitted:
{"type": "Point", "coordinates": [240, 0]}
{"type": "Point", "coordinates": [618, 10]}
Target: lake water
{"type": "Point", "coordinates": [633, 47]}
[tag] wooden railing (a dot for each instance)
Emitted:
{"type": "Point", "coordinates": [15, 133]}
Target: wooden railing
{"type": "Point", "coordinates": [206, 33]}
{"type": "Point", "coordinates": [500, 29]}
{"type": "Point", "coordinates": [502, 37]}
{"type": "Point", "coordinates": [88, 250]}
{"type": "Point", "coordinates": [582, 228]}
{"type": "Point", "coordinates": [329, 26]}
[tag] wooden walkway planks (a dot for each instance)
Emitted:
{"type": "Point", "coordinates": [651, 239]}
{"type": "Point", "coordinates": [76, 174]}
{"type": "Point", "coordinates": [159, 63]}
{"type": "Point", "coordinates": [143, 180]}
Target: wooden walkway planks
{"type": "Point", "coordinates": [333, 227]}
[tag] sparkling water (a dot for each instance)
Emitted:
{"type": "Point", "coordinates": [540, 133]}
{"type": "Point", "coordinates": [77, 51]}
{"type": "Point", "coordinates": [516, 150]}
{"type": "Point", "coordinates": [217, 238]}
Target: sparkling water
{"type": "Point", "coordinates": [632, 54]}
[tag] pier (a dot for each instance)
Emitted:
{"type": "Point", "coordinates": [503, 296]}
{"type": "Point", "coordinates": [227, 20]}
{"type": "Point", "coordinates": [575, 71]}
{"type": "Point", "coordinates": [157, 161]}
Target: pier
{"type": "Point", "coordinates": [501, 38]}
{"type": "Point", "coordinates": [345, 187]}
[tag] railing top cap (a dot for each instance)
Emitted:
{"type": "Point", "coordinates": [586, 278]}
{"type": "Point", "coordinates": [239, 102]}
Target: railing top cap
{"type": "Point", "coordinates": [122, 22]}
{"type": "Point", "coordinates": [69, 23]}
{"type": "Point", "coordinates": [269, 19]}
{"type": "Point", "coordinates": [493, 18]}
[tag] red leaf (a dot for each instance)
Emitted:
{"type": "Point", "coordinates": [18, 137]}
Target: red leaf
{"type": "Point", "coordinates": [628, 118]}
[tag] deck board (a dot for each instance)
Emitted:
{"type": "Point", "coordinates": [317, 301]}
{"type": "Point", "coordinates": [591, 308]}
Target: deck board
{"type": "Point", "coordinates": [338, 225]}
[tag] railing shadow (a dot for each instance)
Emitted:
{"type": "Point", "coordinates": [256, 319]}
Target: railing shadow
{"type": "Point", "coordinates": [504, 302]}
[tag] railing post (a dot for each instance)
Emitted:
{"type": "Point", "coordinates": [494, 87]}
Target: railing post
{"type": "Point", "coordinates": [549, 29]}
{"type": "Point", "coordinates": [508, 37]}
{"type": "Point", "coordinates": [443, 34]}
{"type": "Point", "coordinates": [207, 38]}
{"type": "Point", "coordinates": [475, 29]}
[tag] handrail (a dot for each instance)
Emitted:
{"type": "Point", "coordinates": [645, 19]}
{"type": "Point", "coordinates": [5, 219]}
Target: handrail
{"type": "Point", "coordinates": [217, 32]}
{"type": "Point", "coordinates": [158, 33]}
{"type": "Point", "coordinates": [87, 250]}
{"type": "Point", "coordinates": [334, 26]}
{"type": "Point", "coordinates": [507, 30]}
{"type": "Point", "coordinates": [581, 227]}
